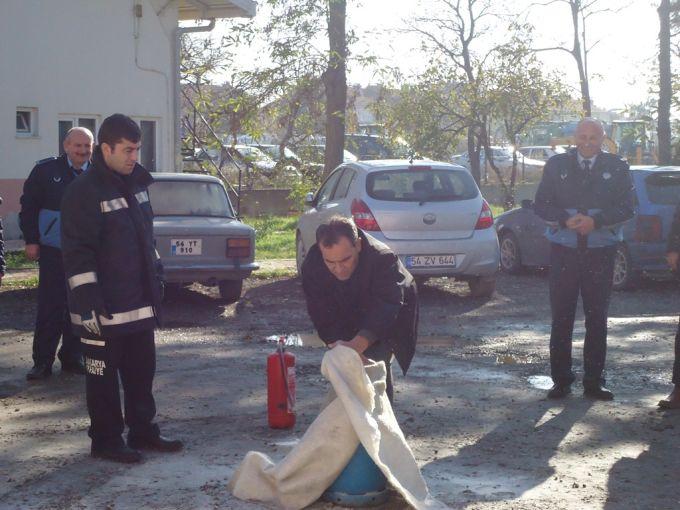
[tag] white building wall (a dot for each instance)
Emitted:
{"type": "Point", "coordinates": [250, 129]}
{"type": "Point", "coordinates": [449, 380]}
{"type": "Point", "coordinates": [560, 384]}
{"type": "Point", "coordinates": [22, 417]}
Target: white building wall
{"type": "Point", "coordinates": [81, 58]}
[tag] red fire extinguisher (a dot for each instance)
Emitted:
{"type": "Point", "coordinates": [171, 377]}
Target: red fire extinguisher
{"type": "Point", "coordinates": [281, 388]}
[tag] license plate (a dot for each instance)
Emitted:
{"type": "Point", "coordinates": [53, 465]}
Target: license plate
{"type": "Point", "coordinates": [185, 246]}
{"type": "Point", "coordinates": [431, 261]}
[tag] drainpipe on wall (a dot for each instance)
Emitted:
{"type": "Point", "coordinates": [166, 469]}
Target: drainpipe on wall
{"type": "Point", "coordinates": [177, 86]}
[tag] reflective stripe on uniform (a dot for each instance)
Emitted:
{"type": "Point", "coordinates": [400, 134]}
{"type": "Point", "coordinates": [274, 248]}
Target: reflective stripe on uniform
{"type": "Point", "coordinates": [98, 343]}
{"type": "Point", "coordinates": [119, 318]}
{"type": "Point", "coordinates": [125, 317]}
{"type": "Point", "coordinates": [113, 205]}
{"type": "Point", "coordinates": [142, 197]}
{"type": "Point", "coordinates": [81, 279]}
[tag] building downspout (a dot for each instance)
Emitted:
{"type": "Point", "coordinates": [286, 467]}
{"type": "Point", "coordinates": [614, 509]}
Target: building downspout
{"type": "Point", "coordinates": [178, 88]}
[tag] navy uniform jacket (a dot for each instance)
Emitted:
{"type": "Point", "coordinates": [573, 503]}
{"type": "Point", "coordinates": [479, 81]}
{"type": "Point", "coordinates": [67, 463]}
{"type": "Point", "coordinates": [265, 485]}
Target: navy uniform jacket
{"type": "Point", "coordinates": [110, 261]}
{"type": "Point", "coordinates": [605, 193]}
{"type": "Point", "coordinates": [379, 300]}
{"type": "Point", "coordinates": [40, 214]}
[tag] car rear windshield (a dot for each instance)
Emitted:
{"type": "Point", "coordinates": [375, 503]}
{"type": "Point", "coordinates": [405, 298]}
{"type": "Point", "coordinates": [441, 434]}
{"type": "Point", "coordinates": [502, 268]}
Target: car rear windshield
{"type": "Point", "coordinates": [663, 188]}
{"type": "Point", "coordinates": [187, 198]}
{"type": "Point", "coordinates": [421, 184]}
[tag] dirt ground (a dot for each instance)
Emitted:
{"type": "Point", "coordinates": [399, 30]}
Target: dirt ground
{"type": "Point", "coordinates": [472, 407]}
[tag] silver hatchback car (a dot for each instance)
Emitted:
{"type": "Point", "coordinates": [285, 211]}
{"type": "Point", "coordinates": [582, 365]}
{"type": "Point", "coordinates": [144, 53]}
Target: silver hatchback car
{"type": "Point", "coordinates": [431, 214]}
{"type": "Point", "coordinates": [197, 234]}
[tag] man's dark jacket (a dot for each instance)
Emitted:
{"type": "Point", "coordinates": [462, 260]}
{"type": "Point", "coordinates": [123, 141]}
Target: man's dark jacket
{"type": "Point", "coordinates": [110, 261]}
{"type": "Point", "coordinates": [607, 187]}
{"type": "Point", "coordinates": [379, 299]}
{"type": "Point", "coordinates": [41, 200]}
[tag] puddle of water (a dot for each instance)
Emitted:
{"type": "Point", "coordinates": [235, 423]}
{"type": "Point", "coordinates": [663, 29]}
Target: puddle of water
{"type": "Point", "coordinates": [512, 359]}
{"type": "Point", "coordinates": [435, 340]}
{"type": "Point", "coordinates": [541, 382]}
{"type": "Point", "coordinates": [298, 340]}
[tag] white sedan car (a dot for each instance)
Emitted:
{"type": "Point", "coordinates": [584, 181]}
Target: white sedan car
{"type": "Point", "coordinates": [431, 214]}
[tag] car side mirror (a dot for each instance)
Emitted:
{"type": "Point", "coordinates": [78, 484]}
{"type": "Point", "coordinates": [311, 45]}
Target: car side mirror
{"type": "Point", "coordinates": [309, 199]}
{"type": "Point", "coordinates": [527, 204]}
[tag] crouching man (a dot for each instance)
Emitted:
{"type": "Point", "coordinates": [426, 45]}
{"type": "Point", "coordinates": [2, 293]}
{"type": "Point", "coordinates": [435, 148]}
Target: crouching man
{"type": "Point", "coordinates": [114, 292]}
{"type": "Point", "coordinates": [360, 295]}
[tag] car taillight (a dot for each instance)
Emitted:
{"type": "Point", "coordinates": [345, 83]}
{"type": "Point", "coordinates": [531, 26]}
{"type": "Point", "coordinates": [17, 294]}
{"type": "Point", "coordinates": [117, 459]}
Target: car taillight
{"type": "Point", "coordinates": [363, 217]}
{"type": "Point", "coordinates": [485, 219]}
{"type": "Point", "coordinates": [647, 229]}
{"type": "Point", "coordinates": [238, 247]}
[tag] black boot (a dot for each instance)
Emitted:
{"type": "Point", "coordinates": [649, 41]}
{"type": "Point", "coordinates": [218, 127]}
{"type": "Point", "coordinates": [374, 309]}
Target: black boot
{"type": "Point", "coordinates": [39, 371]}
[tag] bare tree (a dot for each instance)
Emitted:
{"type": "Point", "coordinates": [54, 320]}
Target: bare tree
{"type": "Point", "coordinates": [580, 11]}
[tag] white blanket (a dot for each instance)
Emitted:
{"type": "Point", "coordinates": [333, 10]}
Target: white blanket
{"type": "Point", "coordinates": [360, 412]}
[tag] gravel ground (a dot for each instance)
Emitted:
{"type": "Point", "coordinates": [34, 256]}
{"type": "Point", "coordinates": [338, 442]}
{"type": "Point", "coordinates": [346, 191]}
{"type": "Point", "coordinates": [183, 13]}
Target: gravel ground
{"type": "Point", "coordinates": [472, 407]}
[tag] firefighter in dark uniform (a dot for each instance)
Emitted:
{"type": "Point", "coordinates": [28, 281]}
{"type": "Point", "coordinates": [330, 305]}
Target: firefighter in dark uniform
{"type": "Point", "coordinates": [672, 401]}
{"type": "Point", "coordinates": [360, 295]}
{"type": "Point", "coordinates": [584, 196]}
{"type": "Point", "coordinates": [115, 291]}
{"type": "Point", "coordinates": [39, 220]}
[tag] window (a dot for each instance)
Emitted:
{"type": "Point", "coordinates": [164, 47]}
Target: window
{"type": "Point", "coordinates": [188, 198]}
{"type": "Point", "coordinates": [147, 158]}
{"type": "Point", "coordinates": [27, 122]}
{"type": "Point", "coordinates": [343, 185]}
{"type": "Point", "coordinates": [66, 122]}
{"type": "Point", "coordinates": [324, 194]}
{"type": "Point", "coordinates": [422, 185]}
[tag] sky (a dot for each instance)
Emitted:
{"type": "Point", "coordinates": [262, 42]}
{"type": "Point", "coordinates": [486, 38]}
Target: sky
{"type": "Point", "coordinates": [620, 62]}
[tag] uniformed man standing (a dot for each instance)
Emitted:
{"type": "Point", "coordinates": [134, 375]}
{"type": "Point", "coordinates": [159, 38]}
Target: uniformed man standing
{"type": "Point", "coordinates": [584, 196]}
{"type": "Point", "coordinates": [39, 220]}
{"type": "Point", "coordinates": [115, 292]}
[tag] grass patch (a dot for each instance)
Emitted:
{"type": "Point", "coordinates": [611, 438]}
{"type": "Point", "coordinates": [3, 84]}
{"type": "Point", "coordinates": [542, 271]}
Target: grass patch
{"type": "Point", "coordinates": [274, 236]}
{"type": "Point", "coordinates": [27, 283]}
{"type": "Point", "coordinates": [18, 260]}
{"type": "Point", "coordinates": [265, 274]}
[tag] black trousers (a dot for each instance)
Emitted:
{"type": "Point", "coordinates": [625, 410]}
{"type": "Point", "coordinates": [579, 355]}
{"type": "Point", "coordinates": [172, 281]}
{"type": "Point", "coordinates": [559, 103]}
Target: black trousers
{"type": "Point", "coordinates": [676, 363]}
{"type": "Point", "coordinates": [53, 321]}
{"type": "Point", "coordinates": [133, 357]}
{"type": "Point", "coordinates": [587, 272]}
{"type": "Point", "coordinates": [379, 351]}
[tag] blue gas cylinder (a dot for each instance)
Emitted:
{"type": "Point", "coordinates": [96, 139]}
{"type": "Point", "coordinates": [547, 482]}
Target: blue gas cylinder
{"type": "Point", "coordinates": [361, 483]}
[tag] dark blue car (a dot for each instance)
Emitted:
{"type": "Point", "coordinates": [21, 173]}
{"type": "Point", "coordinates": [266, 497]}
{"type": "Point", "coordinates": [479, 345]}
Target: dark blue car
{"type": "Point", "coordinates": [643, 250]}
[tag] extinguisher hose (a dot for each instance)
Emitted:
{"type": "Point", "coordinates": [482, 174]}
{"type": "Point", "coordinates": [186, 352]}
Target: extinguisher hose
{"type": "Point", "coordinates": [284, 373]}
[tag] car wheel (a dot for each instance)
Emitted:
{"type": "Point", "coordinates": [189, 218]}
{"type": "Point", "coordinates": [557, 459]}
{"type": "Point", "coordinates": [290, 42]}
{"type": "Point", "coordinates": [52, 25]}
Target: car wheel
{"type": "Point", "coordinates": [624, 275]}
{"type": "Point", "coordinates": [299, 253]}
{"type": "Point", "coordinates": [511, 261]}
{"type": "Point", "coordinates": [230, 290]}
{"type": "Point", "coordinates": [482, 286]}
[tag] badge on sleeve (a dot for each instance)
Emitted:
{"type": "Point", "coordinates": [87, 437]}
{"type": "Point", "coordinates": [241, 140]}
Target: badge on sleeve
{"type": "Point", "coordinates": [606, 176]}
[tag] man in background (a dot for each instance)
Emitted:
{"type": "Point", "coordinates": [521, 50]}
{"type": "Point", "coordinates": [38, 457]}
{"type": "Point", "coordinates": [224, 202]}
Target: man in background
{"type": "Point", "coordinates": [40, 219]}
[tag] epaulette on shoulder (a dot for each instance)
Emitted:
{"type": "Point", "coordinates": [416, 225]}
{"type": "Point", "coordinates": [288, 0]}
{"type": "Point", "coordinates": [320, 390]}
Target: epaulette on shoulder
{"type": "Point", "coordinates": [46, 160]}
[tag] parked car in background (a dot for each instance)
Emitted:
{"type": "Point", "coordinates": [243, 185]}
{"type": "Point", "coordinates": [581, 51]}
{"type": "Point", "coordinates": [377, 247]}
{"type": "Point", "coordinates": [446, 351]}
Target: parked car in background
{"type": "Point", "coordinates": [541, 152]}
{"type": "Point", "coordinates": [431, 214]}
{"type": "Point", "coordinates": [502, 158]}
{"type": "Point", "coordinates": [657, 192]}
{"type": "Point", "coordinates": [274, 152]}
{"type": "Point", "coordinates": [197, 234]}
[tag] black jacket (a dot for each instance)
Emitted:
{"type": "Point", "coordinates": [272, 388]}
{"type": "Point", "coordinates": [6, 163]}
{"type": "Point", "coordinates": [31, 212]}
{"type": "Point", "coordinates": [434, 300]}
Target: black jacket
{"type": "Point", "coordinates": [43, 191]}
{"type": "Point", "coordinates": [110, 261]}
{"type": "Point", "coordinates": [606, 189]}
{"type": "Point", "coordinates": [380, 299]}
